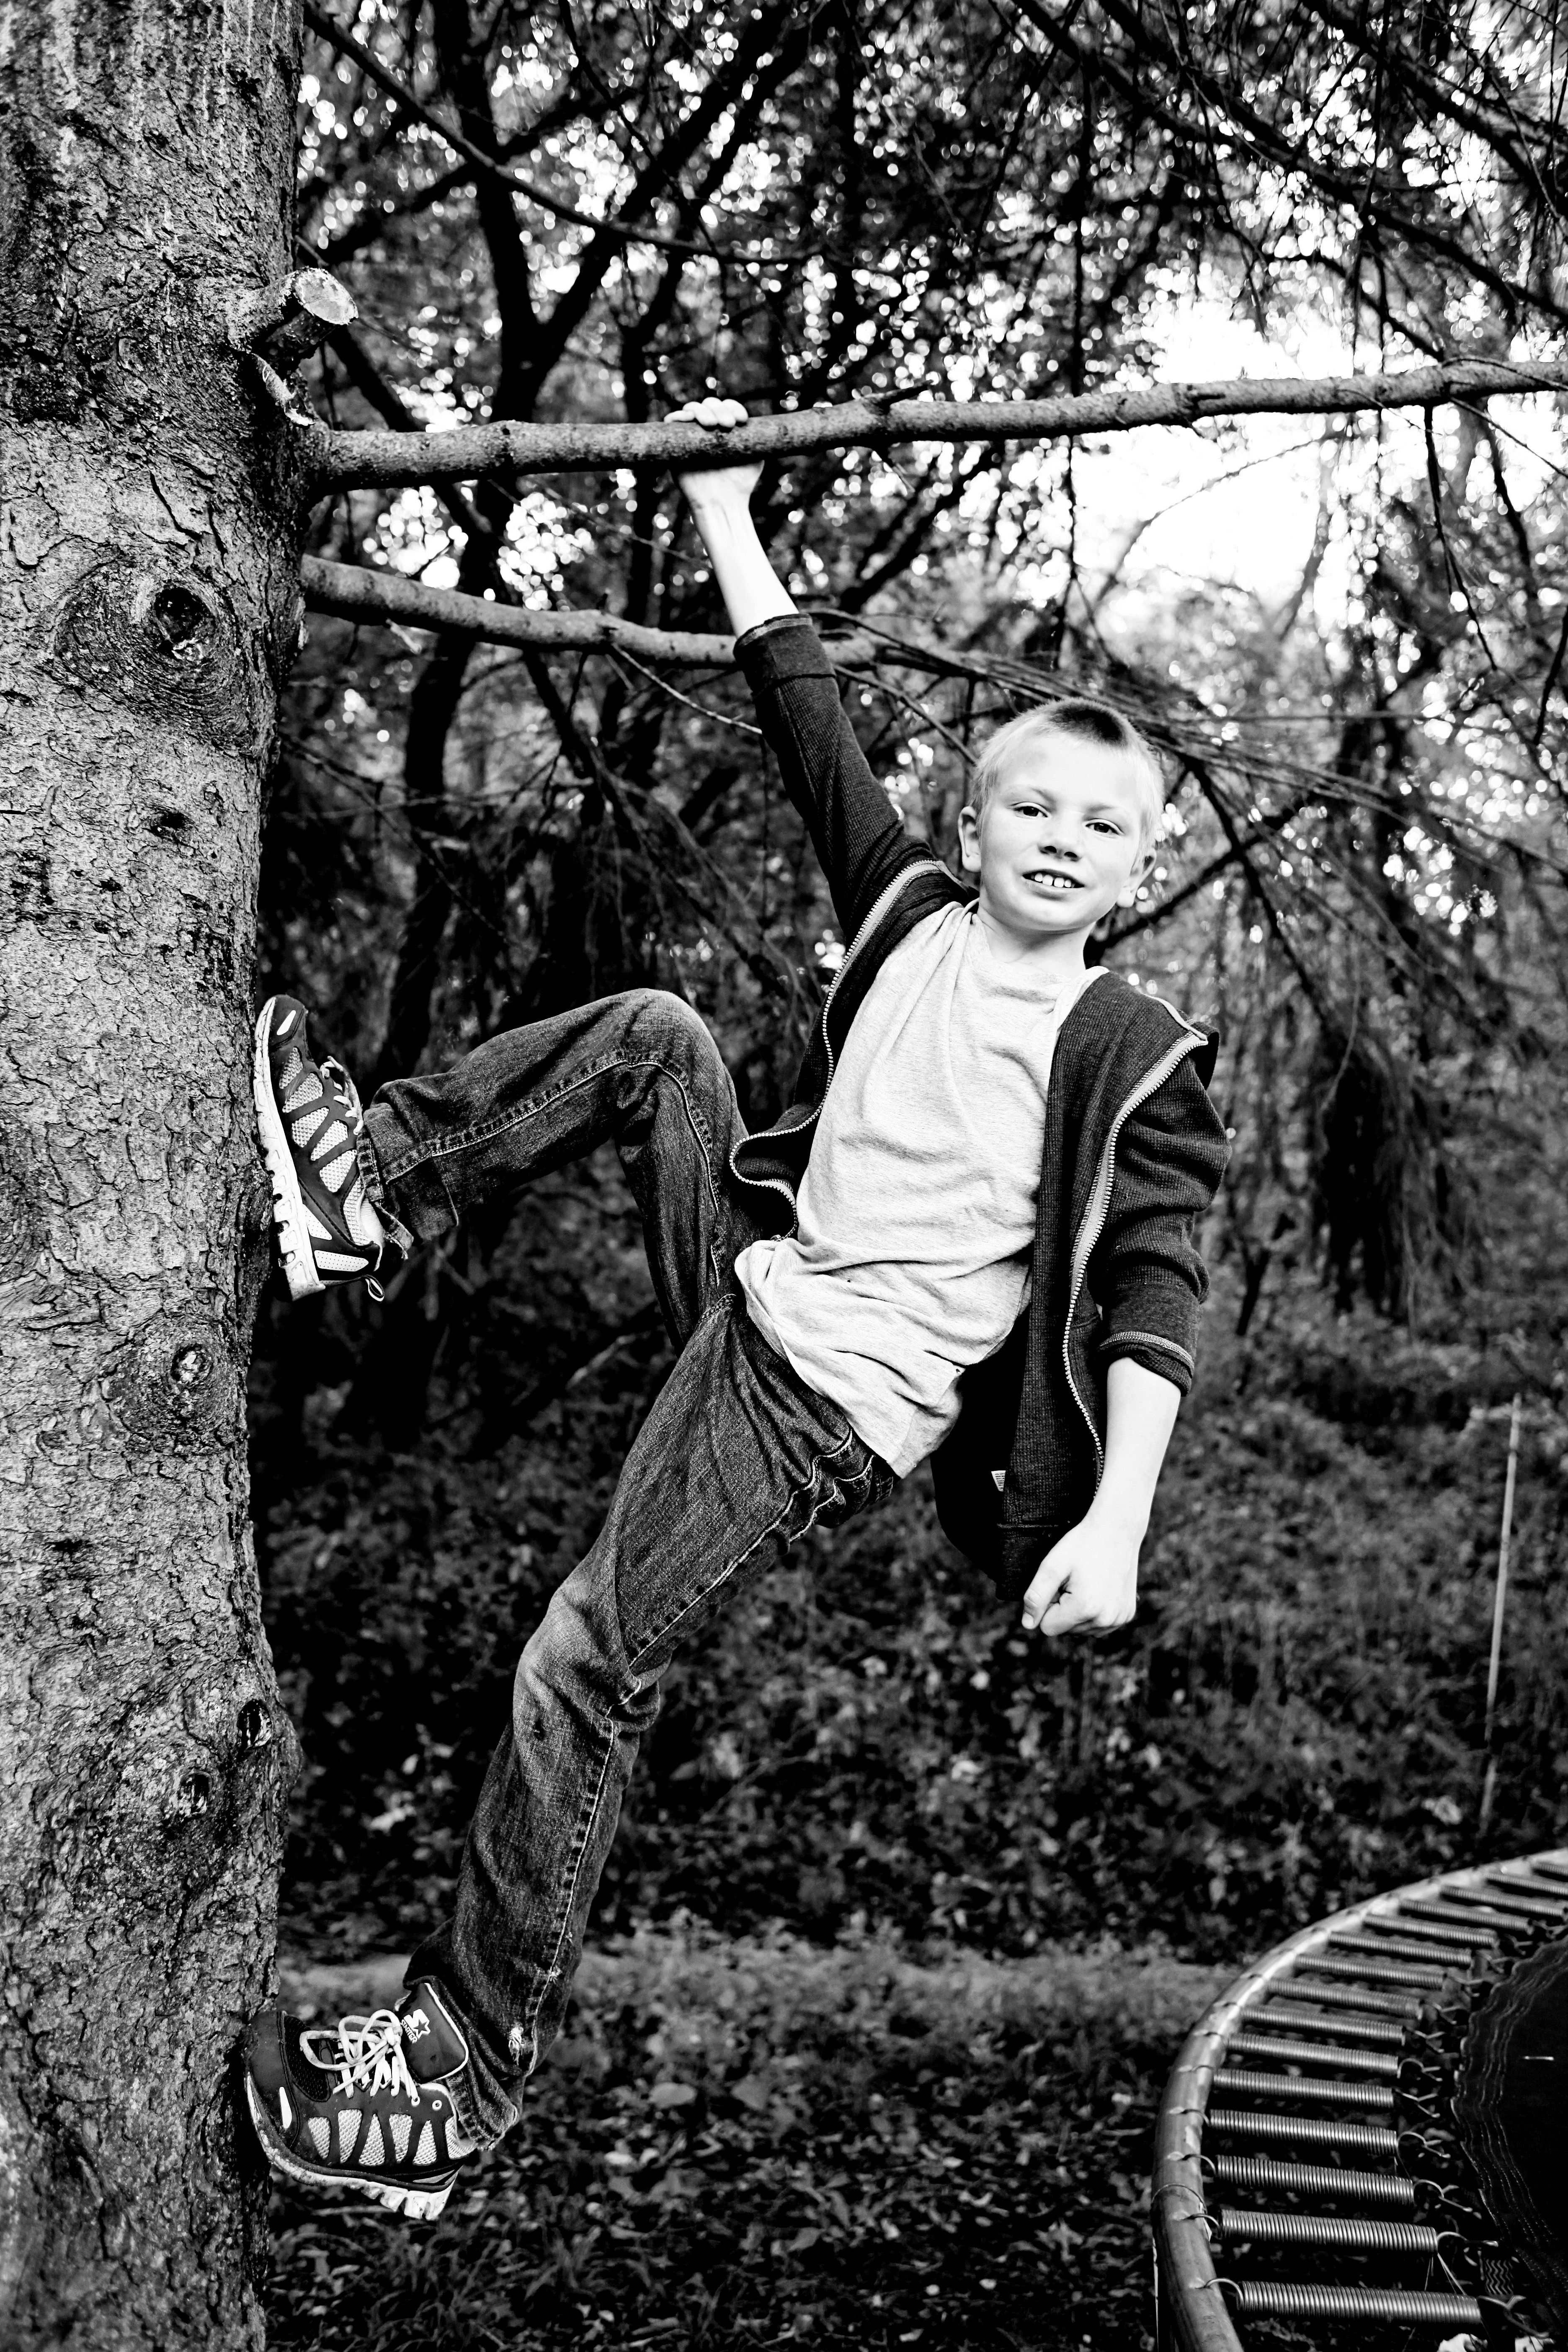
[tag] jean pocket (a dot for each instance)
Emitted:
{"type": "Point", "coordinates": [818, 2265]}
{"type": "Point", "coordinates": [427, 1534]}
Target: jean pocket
{"type": "Point", "coordinates": [852, 1480]}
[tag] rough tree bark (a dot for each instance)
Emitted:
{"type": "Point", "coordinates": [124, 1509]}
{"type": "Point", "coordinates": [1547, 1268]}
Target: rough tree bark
{"type": "Point", "coordinates": [148, 607]}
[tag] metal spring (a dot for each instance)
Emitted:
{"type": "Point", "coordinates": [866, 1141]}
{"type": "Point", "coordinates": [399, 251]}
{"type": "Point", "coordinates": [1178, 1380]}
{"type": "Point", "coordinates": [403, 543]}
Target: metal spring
{"type": "Point", "coordinates": [1254, 2084]}
{"type": "Point", "coordinates": [1476, 1913]}
{"type": "Point", "coordinates": [1386, 2033]}
{"type": "Point", "coordinates": [1427, 1923]}
{"type": "Point", "coordinates": [1350, 1996]}
{"type": "Point", "coordinates": [1287, 2299]}
{"type": "Point", "coordinates": [1373, 1971]}
{"type": "Point", "coordinates": [1259, 2173]}
{"type": "Point", "coordinates": [1304, 2131]}
{"type": "Point", "coordinates": [1367, 2236]}
{"type": "Point", "coordinates": [1429, 1951]}
{"type": "Point", "coordinates": [1313, 2053]}
{"type": "Point", "coordinates": [1528, 1897]}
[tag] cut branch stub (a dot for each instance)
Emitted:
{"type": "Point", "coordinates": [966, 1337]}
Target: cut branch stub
{"type": "Point", "coordinates": [278, 328]}
{"type": "Point", "coordinates": [283, 324]}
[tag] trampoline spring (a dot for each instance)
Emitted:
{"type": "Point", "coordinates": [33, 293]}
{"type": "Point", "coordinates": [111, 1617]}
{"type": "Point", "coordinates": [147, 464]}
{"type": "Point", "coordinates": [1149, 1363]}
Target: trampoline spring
{"type": "Point", "coordinates": [1478, 1914]}
{"type": "Point", "coordinates": [1365, 2235]}
{"type": "Point", "coordinates": [1290, 2299]}
{"type": "Point", "coordinates": [1554, 1873]}
{"type": "Point", "coordinates": [1501, 1908]}
{"type": "Point", "coordinates": [1313, 2053]}
{"type": "Point", "coordinates": [1260, 2173]}
{"type": "Point", "coordinates": [1428, 1951]}
{"type": "Point", "coordinates": [1372, 1973]}
{"type": "Point", "coordinates": [1302, 2131]}
{"type": "Point", "coordinates": [1386, 2034]}
{"type": "Point", "coordinates": [1425, 1923]}
{"type": "Point", "coordinates": [1248, 2082]}
{"type": "Point", "coordinates": [1520, 1896]}
{"type": "Point", "coordinates": [1393, 2005]}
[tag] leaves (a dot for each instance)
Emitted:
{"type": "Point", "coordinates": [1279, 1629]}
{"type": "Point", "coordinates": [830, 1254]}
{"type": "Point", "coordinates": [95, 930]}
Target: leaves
{"type": "Point", "coordinates": [960, 2157]}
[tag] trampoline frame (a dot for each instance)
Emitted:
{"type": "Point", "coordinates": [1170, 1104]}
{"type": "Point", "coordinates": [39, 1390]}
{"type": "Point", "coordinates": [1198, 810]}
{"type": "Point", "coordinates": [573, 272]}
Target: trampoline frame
{"type": "Point", "coordinates": [1191, 2314]}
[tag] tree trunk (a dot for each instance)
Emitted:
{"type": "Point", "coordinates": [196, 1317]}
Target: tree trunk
{"type": "Point", "coordinates": [148, 606]}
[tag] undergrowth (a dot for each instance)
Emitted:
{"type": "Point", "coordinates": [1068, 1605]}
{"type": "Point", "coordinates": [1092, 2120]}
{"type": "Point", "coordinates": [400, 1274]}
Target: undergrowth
{"type": "Point", "coordinates": [761, 2142]}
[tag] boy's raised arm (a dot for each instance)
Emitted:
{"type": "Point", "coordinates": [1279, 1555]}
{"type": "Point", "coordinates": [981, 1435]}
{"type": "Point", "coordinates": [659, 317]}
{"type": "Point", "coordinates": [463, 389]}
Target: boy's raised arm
{"type": "Point", "coordinates": [720, 498]}
{"type": "Point", "coordinates": [854, 830]}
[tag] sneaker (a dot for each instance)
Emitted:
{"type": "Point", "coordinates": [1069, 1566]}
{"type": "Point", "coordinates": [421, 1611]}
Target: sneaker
{"type": "Point", "coordinates": [310, 1121]}
{"type": "Point", "coordinates": [368, 2104]}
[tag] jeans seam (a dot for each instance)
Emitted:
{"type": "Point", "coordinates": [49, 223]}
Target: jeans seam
{"type": "Point", "coordinates": [470, 2120]}
{"type": "Point", "coordinates": [818, 1462]}
{"type": "Point", "coordinates": [585, 1820]}
{"type": "Point", "coordinates": [398, 1232]}
{"type": "Point", "coordinates": [486, 1131]}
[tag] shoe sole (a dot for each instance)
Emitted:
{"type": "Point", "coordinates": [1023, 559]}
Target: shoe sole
{"type": "Point", "coordinates": [414, 2204]}
{"type": "Point", "coordinates": [288, 1201]}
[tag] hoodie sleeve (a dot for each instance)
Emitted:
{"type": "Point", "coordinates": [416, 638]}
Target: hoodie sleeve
{"type": "Point", "coordinates": [854, 828]}
{"type": "Point", "coordinates": [1145, 1273]}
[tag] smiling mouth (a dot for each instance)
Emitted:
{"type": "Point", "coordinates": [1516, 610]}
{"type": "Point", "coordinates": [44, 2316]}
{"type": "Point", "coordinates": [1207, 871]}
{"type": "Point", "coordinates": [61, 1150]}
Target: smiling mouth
{"type": "Point", "coordinates": [1042, 880]}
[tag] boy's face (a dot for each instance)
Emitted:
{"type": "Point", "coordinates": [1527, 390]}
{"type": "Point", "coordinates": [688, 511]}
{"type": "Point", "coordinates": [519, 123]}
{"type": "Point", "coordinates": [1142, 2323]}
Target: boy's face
{"type": "Point", "coordinates": [1057, 844]}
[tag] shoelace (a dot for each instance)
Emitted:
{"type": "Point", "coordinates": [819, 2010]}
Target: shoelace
{"type": "Point", "coordinates": [347, 1090]}
{"type": "Point", "coordinates": [369, 2056]}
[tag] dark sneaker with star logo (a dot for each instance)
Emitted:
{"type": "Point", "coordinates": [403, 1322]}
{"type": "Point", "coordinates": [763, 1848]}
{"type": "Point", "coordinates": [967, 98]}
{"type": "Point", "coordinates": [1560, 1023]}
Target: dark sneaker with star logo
{"type": "Point", "coordinates": [366, 2103]}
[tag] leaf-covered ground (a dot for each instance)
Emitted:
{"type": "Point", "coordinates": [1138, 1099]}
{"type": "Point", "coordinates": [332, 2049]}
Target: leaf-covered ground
{"type": "Point", "coordinates": [763, 2142]}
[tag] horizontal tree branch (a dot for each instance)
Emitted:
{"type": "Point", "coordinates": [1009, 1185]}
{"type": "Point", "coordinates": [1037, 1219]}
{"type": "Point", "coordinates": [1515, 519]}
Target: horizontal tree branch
{"type": "Point", "coordinates": [352, 591]}
{"type": "Point", "coordinates": [386, 460]}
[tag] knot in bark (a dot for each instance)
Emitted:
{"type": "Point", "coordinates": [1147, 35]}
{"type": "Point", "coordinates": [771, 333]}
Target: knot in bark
{"type": "Point", "coordinates": [166, 645]}
{"type": "Point", "coordinates": [174, 1385]}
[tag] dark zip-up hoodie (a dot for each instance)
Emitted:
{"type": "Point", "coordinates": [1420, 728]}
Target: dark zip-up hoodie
{"type": "Point", "coordinates": [1133, 1150]}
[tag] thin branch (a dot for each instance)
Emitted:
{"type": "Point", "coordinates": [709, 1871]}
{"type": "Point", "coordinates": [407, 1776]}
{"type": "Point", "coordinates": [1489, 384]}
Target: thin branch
{"type": "Point", "coordinates": [371, 459]}
{"type": "Point", "coordinates": [366, 60]}
{"type": "Point", "coordinates": [352, 591]}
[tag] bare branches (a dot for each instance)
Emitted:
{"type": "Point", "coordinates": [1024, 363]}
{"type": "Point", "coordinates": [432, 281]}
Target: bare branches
{"type": "Point", "coordinates": [351, 592]}
{"type": "Point", "coordinates": [368, 460]}
{"type": "Point", "coordinates": [620, 228]}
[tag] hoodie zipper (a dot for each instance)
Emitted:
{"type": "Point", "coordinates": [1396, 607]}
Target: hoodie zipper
{"type": "Point", "coordinates": [1099, 1208]}
{"type": "Point", "coordinates": [880, 906]}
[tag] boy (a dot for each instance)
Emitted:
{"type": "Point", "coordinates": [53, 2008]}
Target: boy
{"type": "Point", "coordinates": [970, 1236]}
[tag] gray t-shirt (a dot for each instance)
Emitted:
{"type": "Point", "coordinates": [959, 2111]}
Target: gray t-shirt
{"type": "Point", "coordinates": [916, 1215]}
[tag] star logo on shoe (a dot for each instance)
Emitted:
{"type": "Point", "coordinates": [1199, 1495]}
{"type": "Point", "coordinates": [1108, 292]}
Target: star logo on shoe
{"type": "Point", "coordinates": [416, 2025]}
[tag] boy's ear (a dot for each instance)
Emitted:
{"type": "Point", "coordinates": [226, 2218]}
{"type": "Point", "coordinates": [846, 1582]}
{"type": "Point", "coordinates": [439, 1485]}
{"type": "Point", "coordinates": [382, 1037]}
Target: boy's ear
{"type": "Point", "coordinates": [1127, 894]}
{"type": "Point", "coordinates": [969, 838]}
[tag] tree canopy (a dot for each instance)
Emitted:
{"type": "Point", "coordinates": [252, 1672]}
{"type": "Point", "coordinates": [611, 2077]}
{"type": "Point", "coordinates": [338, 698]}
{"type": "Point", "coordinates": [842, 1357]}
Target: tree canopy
{"type": "Point", "coordinates": [581, 216]}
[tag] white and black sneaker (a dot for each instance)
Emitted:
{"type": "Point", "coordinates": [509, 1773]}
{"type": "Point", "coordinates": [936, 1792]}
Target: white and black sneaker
{"type": "Point", "coordinates": [309, 1121]}
{"type": "Point", "coordinates": [368, 2104]}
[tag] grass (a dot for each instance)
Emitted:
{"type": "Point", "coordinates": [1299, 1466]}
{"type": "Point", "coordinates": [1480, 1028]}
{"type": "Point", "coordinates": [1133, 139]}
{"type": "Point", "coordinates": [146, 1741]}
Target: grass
{"type": "Point", "coordinates": [761, 2141]}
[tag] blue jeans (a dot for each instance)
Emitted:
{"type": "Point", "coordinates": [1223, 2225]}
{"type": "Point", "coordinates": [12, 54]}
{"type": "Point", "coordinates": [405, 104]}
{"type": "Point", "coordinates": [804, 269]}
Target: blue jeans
{"type": "Point", "coordinates": [737, 1458]}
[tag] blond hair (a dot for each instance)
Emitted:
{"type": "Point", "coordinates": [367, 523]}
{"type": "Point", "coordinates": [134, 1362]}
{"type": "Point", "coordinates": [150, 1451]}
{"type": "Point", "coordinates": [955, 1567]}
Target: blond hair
{"type": "Point", "coordinates": [1089, 722]}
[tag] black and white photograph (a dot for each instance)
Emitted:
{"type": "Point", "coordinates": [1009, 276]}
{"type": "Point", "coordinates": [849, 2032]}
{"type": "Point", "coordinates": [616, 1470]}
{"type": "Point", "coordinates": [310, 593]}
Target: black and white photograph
{"type": "Point", "coordinates": [783, 1266]}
